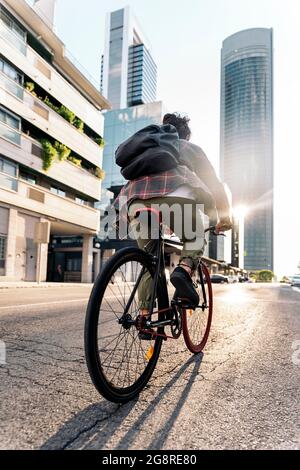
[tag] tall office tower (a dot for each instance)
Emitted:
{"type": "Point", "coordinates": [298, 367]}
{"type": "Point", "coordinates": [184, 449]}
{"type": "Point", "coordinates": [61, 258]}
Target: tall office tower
{"type": "Point", "coordinates": [51, 125]}
{"type": "Point", "coordinates": [247, 137]}
{"type": "Point", "coordinates": [128, 71]}
{"type": "Point", "coordinates": [128, 79]}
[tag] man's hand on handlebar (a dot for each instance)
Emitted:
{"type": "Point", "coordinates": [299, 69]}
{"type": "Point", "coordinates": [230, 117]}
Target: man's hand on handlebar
{"type": "Point", "coordinates": [224, 225]}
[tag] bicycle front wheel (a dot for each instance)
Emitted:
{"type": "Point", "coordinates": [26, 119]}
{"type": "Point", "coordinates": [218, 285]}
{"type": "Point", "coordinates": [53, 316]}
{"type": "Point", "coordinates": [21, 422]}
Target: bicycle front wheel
{"type": "Point", "coordinates": [119, 362]}
{"type": "Point", "coordinates": [196, 323]}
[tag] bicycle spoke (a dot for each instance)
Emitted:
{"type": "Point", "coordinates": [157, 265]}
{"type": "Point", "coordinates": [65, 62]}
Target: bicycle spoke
{"type": "Point", "coordinates": [123, 356]}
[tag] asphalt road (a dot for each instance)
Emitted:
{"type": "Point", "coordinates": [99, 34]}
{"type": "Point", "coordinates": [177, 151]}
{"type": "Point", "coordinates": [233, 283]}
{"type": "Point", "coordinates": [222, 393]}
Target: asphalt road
{"type": "Point", "coordinates": [242, 394]}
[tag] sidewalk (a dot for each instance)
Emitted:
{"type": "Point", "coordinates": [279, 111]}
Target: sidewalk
{"type": "Point", "coordinates": [24, 285]}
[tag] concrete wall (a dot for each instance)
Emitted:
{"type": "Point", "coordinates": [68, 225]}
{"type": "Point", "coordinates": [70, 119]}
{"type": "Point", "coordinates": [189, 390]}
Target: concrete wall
{"type": "Point", "coordinates": [63, 172]}
{"type": "Point", "coordinates": [54, 206]}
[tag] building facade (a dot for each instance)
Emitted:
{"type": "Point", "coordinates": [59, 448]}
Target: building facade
{"type": "Point", "coordinates": [128, 71]}
{"type": "Point", "coordinates": [51, 138]}
{"type": "Point", "coordinates": [247, 137]}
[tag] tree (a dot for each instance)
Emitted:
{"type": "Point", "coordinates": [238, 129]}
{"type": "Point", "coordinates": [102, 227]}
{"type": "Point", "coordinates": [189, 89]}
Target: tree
{"type": "Point", "coordinates": [265, 276]}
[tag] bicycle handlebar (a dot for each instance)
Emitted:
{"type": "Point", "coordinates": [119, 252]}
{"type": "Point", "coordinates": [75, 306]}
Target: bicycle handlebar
{"type": "Point", "coordinates": [212, 230]}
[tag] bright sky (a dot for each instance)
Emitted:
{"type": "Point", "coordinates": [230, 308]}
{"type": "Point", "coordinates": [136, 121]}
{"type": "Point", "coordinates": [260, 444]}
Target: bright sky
{"type": "Point", "coordinates": [186, 38]}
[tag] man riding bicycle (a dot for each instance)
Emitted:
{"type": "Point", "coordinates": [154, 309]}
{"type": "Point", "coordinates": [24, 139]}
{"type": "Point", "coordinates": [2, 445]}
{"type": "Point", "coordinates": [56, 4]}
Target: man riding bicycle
{"type": "Point", "coordinates": [167, 170]}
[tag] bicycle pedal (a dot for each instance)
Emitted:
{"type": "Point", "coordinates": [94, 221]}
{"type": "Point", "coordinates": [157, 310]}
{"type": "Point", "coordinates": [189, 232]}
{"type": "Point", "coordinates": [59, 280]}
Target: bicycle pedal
{"type": "Point", "coordinates": [146, 335]}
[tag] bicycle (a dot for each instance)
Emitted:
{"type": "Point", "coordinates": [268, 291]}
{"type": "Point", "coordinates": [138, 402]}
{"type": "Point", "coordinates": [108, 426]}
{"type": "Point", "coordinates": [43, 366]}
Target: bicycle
{"type": "Point", "coordinates": [119, 363]}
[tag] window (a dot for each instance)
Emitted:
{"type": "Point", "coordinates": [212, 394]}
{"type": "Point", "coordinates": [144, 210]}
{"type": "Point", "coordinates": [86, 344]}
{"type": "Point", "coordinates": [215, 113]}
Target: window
{"type": "Point", "coordinates": [10, 119]}
{"type": "Point", "coordinates": [12, 32]}
{"type": "Point", "coordinates": [11, 80]}
{"type": "Point", "coordinates": [73, 264]}
{"type": "Point", "coordinates": [58, 191]}
{"type": "Point", "coordinates": [2, 252]}
{"type": "Point", "coordinates": [11, 72]}
{"type": "Point", "coordinates": [8, 167]}
{"type": "Point", "coordinates": [31, 179]}
{"type": "Point", "coordinates": [10, 127]}
{"type": "Point", "coordinates": [81, 201]}
{"type": "Point", "coordinates": [9, 21]}
{"type": "Point", "coordinates": [8, 174]}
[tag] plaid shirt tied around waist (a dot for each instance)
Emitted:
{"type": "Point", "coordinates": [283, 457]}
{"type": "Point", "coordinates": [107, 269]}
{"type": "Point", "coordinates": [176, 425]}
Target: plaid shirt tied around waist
{"type": "Point", "coordinates": [160, 184]}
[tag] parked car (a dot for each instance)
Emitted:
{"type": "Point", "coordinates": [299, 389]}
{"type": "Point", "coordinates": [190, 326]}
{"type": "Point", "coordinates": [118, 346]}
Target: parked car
{"type": "Point", "coordinates": [219, 279]}
{"type": "Point", "coordinates": [232, 279]}
{"type": "Point", "coordinates": [243, 279]}
{"type": "Point", "coordinates": [295, 281]}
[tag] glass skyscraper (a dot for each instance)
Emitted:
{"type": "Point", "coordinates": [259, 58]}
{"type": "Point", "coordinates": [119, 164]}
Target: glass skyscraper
{"type": "Point", "coordinates": [142, 74]}
{"type": "Point", "coordinates": [128, 80]}
{"type": "Point", "coordinates": [247, 137]}
{"type": "Point", "coordinates": [128, 71]}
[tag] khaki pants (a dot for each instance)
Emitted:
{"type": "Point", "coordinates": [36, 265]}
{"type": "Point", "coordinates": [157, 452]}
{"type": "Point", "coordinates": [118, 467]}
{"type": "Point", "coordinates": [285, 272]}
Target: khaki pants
{"type": "Point", "coordinates": [184, 218]}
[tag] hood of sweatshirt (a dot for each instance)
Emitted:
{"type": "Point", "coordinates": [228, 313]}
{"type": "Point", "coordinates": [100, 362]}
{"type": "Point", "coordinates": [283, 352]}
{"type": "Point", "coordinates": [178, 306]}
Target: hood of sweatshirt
{"type": "Point", "coordinates": [151, 150]}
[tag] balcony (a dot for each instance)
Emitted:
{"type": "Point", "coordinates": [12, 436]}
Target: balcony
{"type": "Point", "coordinates": [46, 76]}
{"type": "Point", "coordinates": [10, 134]}
{"type": "Point", "coordinates": [8, 182]}
{"type": "Point", "coordinates": [27, 151]}
{"type": "Point", "coordinates": [11, 87]}
{"type": "Point", "coordinates": [12, 38]}
{"type": "Point", "coordinates": [59, 209]}
{"type": "Point", "coordinates": [24, 104]}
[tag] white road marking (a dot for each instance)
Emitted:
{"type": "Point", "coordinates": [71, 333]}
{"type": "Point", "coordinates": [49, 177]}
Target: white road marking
{"type": "Point", "coordinates": [55, 302]}
{"type": "Point", "coordinates": [255, 299]}
{"type": "Point", "coordinates": [230, 298]}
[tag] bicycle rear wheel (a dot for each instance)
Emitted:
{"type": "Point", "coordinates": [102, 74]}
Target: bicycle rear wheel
{"type": "Point", "coordinates": [196, 323]}
{"type": "Point", "coordinates": [119, 363]}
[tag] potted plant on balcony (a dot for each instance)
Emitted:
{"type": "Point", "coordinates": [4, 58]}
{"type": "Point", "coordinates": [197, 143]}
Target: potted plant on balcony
{"type": "Point", "coordinates": [99, 173]}
{"type": "Point", "coordinates": [49, 154]}
{"type": "Point", "coordinates": [49, 103]}
{"type": "Point", "coordinates": [79, 124]}
{"type": "Point", "coordinates": [63, 151]}
{"type": "Point", "coordinates": [30, 86]}
{"type": "Point", "coordinates": [67, 114]}
{"type": "Point", "coordinates": [100, 141]}
{"type": "Point", "coordinates": [76, 161]}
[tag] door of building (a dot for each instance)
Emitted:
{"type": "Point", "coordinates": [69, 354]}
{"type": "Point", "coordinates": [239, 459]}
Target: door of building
{"type": "Point", "coordinates": [31, 260]}
{"type": "Point", "coordinates": [26, 250]}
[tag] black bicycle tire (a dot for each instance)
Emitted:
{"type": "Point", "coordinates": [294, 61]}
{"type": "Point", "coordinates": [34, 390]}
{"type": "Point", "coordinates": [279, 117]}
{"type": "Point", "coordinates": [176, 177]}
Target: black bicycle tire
{"type": "Point", "coordinates": [198, 348]}
{"type": "Point", "coordinates": [106, 389]}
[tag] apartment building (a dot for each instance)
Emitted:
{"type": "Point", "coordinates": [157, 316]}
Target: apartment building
{"type": "Point", "coordinates": [51, 144]}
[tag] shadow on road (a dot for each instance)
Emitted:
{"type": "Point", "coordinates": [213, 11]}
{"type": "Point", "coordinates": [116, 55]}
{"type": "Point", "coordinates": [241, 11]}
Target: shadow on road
{"type": "Point", "coordinates": [95, 418]}
{"type": "Point", "coordinates": [98, 423]}
{"type": "Point", "coordinates": [162, 434]}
